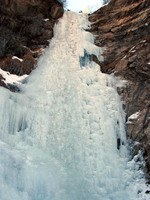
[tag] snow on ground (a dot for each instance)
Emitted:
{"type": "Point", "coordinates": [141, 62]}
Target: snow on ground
{"type": "Point", "coordinates": [12, 78]}
{"type": "Point", "coordinates": [15, 57]}
{"type": "Point", "coordinates": [133, 117]}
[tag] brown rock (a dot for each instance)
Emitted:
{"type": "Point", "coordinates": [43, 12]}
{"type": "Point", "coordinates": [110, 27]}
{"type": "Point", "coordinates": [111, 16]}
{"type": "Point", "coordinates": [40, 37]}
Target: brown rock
{"type": "Point", "coordinates": [24, 32]}
{"type": "Point", "coordinates": [56, 12]}
{"type": "Point", "coordinates": [14, 66]}
{"type": "Point", "coordinates": [29, 63]}
{"type": "Point", "coordinates": [122, 27]}
{"type": "Point", "coordinates": [1, 77]}
{"type": "Point", "coordinates": [3, 84]}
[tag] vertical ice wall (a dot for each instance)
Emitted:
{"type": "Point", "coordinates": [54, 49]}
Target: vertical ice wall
{"type": "Point", "coordinates": [63, 136]}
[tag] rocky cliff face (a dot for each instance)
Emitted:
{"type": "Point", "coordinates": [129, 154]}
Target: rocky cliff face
{"type": "Point", "coordinates": [123, 28]}
{"type": "Point", "coordinates": [26, 26]}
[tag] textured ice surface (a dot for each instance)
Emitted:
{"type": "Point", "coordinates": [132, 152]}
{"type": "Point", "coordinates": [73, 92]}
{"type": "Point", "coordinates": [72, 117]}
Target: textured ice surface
{"type": "Point", "coordinates": [59, 136]}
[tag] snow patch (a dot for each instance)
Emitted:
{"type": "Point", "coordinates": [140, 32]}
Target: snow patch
{"type": "Point", "coordinates": [11, 78]}
{"type": "Point", "coordinates": [143, 41]}
{"type": "Point", "coordinates": [120, 83]}
{"type": "Point", "coordinates": [15, 57]}
{"type": "Point", "coordinates": [45, 20]}
{"type": "Point", "coordinates": [133, 117]}
{"type": "Point", "coordinates": [124, 57]}
{"type": "Point", "coordinates": [132, 49]}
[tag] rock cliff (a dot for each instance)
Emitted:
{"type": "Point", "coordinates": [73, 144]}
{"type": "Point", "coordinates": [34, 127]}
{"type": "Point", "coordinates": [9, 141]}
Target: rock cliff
{"type": "Point", "coordinates": [26, 26]}
{"type": "Point", "coordinates": [123, 28]}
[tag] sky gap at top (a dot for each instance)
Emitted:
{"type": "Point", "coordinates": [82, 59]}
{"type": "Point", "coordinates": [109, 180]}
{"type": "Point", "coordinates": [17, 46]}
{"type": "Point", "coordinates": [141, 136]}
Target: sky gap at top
{"type": "Point", "coordinates": [84, 5]}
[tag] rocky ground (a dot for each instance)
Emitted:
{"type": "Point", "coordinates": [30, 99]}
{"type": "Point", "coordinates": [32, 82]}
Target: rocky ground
{"type": "Point", "coordinates": [123, 29]}
{"type": "Point", "coordinates": [26, 28]}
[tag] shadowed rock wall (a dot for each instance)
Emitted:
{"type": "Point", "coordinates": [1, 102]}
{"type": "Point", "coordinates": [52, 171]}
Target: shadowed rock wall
{"type": "Point", "coordinates": [26, 26]}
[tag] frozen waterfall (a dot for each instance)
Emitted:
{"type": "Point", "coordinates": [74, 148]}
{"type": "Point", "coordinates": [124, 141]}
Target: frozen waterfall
{"type": "Point", "coordinates": [63, 136]}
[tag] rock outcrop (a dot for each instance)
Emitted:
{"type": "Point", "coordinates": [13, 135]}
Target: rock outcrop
{"type": "Point", "coordinates": [26, 28]}
{"type": "Point", "coordinates": [123, 28]}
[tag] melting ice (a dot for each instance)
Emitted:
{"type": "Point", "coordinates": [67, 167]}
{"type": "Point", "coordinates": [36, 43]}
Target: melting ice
{"type": "Point", "coordinates": [63, 137]}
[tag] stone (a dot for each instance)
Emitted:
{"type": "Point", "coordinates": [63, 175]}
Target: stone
{"type": "Point", "coordinates": [24, 33]}
{"type": "Point", "coordinates": [122, 28]}
{"type": "Point", "coordinates": [14, 66]}
{"type": "Point", "coordinates": [56, 12]}
{"type": "Point", "coordinates": [1, 77]}
{"type": "Point", "coordinates": [29, 63]}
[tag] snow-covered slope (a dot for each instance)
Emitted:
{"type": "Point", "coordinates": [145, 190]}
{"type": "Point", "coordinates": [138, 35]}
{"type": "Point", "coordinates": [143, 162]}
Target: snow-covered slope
{"type": "Point", "coordinates": [63, 136]}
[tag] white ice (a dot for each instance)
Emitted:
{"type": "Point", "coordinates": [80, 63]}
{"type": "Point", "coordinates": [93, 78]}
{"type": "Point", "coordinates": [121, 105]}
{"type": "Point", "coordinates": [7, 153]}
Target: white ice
{"type": "Point", "coordinates": [60, 136]}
